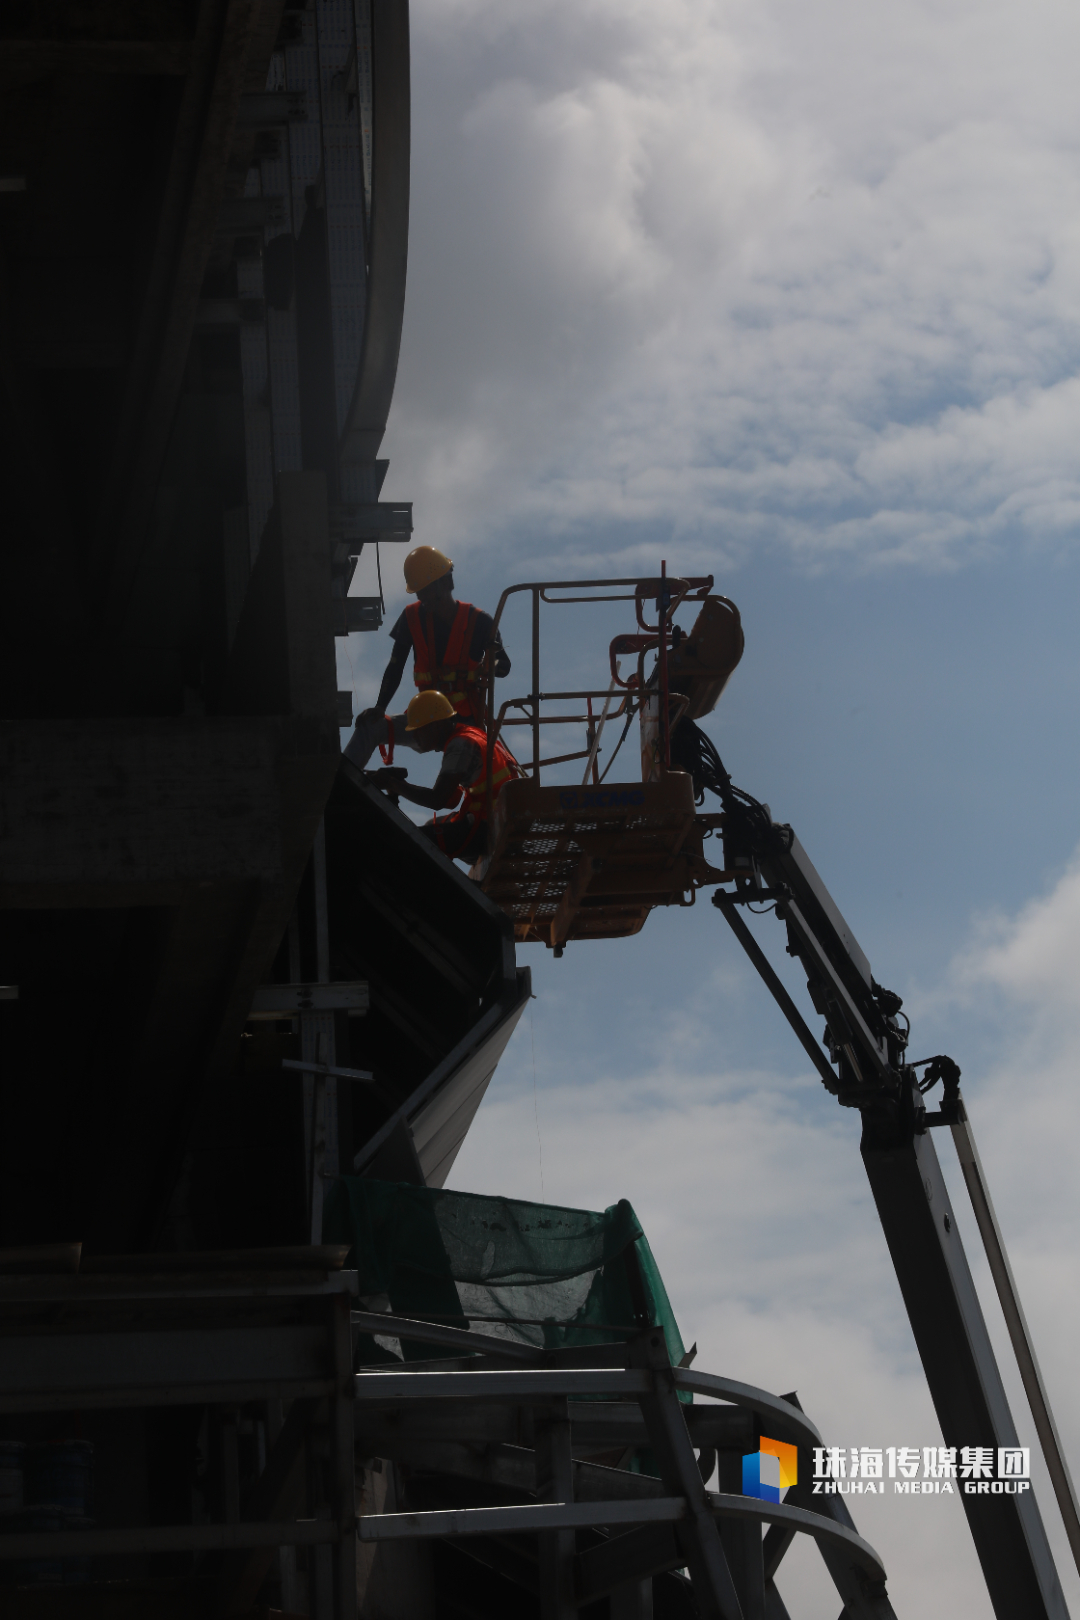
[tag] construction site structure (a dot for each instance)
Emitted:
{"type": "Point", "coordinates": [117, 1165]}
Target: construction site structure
{"type": "Point", "coordinates": [238, 987]}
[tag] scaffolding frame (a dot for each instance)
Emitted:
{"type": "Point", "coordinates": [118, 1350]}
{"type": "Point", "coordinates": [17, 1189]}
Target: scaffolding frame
{"type": "Point", "coordinates": [559, 1405]}
{"type": "Point", "coordinates": [221, 1330]}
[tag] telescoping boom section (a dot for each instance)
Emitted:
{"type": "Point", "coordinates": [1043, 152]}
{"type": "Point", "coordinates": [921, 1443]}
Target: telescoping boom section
{"type": "Point", "coordinates": [863, 1061]}
{"type": "Point", "coordinates": [590, 858]}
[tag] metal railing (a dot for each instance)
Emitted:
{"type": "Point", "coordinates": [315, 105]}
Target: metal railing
{"type": "Point", "coordinates": [669, 592]}
{"type": "Point", "coordinates": [717, 1535]}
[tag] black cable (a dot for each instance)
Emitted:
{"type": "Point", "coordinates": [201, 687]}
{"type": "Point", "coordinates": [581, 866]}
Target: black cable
{"type": "Point", "coordinates": [695, 753]}
{"type": "Point", "coordinates": [618, 745]}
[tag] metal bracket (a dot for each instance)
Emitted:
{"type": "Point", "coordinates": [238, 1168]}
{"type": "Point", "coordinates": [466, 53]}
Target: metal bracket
{"type": "Point", "coordinates": [326, 1068]}
{"type": "Point", "coordinates": [275, 1001]}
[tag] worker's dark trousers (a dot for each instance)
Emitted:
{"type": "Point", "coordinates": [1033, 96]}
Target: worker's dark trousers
{"type": "Point", "coordinates": [461, 837]}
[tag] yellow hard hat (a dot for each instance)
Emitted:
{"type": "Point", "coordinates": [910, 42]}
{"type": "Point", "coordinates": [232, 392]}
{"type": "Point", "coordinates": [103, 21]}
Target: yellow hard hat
{"type": "Point", "coordinates": [426, 708]}
{"type": "Point", "coordinates": [423, 566]}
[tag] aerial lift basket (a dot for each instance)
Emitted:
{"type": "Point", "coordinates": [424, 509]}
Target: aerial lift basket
{"type": "Point", "coordinates": [590, 861]}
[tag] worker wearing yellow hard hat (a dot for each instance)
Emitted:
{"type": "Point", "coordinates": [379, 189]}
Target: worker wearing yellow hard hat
{"type": "Point", "coordinates": [433, 725]}
{"type": "Point", "coordinates": [449, 641]}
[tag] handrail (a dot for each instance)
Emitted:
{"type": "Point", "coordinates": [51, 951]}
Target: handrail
{"type": "Point", "coordinates": [653, 1388]}
{"type": "Point", "coordinates": [404, 1327]}
{"type": "Point", "coordinates": [705, 583]}
{"type": "Point", "coordinates": [669, 591]}
{"type": "Point", "coordinates": [749, 1395]}
{"type": "Point", "coordinates": [487, 1521]}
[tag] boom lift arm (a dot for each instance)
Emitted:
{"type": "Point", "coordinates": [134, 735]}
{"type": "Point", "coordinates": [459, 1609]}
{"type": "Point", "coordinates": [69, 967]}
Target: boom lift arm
{"type": "Point", "coordinates": [590, 862]}
{"type": "Point", "coordinates": [866, 1037]}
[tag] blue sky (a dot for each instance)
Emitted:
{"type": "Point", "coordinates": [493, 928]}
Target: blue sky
{"type": "Point", "coordinates": [790, 294]}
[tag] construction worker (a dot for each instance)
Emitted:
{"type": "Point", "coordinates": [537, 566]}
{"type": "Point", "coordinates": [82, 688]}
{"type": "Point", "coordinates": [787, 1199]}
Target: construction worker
{"type": "Point", "coordinates": [448, 640]}
{"type": "Point", "coordinates": [433, 726]}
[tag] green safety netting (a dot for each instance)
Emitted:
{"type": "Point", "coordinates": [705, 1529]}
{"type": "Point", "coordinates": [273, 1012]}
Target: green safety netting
{"type": "Point", "coordinates": [536, 1273]}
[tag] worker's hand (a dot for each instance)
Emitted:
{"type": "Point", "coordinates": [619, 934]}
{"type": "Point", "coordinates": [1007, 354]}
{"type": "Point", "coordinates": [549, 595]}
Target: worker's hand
{"type": "Point", "coordinates": [367, 717]}
{"type": "Point", "coordinates": [390, 779]}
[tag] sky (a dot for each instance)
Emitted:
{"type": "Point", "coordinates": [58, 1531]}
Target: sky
{"type": "Point", "coordinates": [789, 294]}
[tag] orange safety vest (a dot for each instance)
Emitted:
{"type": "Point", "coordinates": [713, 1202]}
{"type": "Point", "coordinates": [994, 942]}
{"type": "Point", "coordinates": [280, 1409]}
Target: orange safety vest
{"type": "Point", "coordinates": [457, 676]}
{"type": "Point", "coordinates": [506, 769]}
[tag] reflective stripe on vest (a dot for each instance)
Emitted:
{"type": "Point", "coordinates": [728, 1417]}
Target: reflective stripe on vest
{"type": "Point", "coordinates": [506, 769]}
{"type": "Point", "coordinates": [456, 676]}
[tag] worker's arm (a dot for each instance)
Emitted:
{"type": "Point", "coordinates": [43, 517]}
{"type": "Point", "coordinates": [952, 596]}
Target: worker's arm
{"type": "Point", "coordinates": [443, 796]}
{"type": "Point", "coordinates": [498, 656]}
{"type": "Point", "coordinates": [390, 682]}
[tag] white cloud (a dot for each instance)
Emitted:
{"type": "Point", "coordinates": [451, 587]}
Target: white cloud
{"type": "Point", "coordinates": [1034, 958]}
{"type": "Point", "coordinates": [804, 277]}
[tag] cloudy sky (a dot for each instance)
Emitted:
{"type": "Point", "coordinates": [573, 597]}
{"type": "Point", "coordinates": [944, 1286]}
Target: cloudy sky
{"type": "Point", "coordinates": [789, 293]}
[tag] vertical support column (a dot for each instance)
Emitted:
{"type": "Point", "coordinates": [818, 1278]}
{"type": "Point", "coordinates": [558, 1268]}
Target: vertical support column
{"type": "Point", "coordinates": [320, 1133]}
{"type": "Point", "coordinates": [320, 1090]}
{"type": "Point", "coordinates": [286, 1556]}
{"type": "Point", "coordinates": [536, 683]}
{"type": "Point", "coordinates": [322, 1562]}
{"type": "Point", "coordinates": [698, 1536]}
{"type": "Point", "coordinates": [555, 1483]}
{"type": "Point", "coordinates": [742, 1542]}
{"type": "Point", "coordinates": [632, 1601]}
{"type": "Point", "coordinates": [254, 368]}
{"type": "Point", "coordinates": [230, 1466]}
{"type": "Point", "coordinates": [342, 1452]}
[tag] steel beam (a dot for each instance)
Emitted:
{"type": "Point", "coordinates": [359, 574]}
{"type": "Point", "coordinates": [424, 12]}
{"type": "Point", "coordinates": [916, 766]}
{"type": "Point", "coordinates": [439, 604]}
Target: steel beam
{"type": "Point", "coordinates": [654, 1549]}
{"type": "Point", "coordinates": [166, 1538]}
{"type": "Point", "coordinates": [63, 1364]}
{"type": "Point", "coordinates": [390, 1388]}
{"type": "Point", "coordinates": [786, 1421]}
{"type": "Point", "coordinates": [1016, 1322]}
{"type": "Point", "coordinates": [698, 1536]}
{"type": "Point", "coordinates": [776, 988]}
{"type": "Point", "coordinates": [541, 1517]}
{"type": "Point", "coordinates": [599, 1571]}
{"type": "Point", "coordinates": [555, 1482]}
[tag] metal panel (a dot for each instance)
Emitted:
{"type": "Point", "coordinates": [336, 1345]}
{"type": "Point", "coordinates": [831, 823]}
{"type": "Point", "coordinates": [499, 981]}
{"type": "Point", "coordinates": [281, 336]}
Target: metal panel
{"type": "Point", "coordinates": [166, 1538]}
{"type": "Point", "coordinates": [391, 1387]}
{"type": "Point", "coordinates": [234, 1393]}
{"type": "Point", "coordinates": [541, 1516]}
{"type": "Point", "coordinates": [68, 1362]}
{"type": "Point", "coordinates": [440, 1111]}
{"type": "Point", "coordinates": [343, 189]}
{"type": "Point", "coordinates": [255, 372]}
{"type": "Point", "coordinates": [388, 241]}
{"type": "Point", "coordinates": [284, 1000]}
{"type": "Point", "coordinates": [282, 362]}
{"type": "Point", "coordinates": [441, 1127]}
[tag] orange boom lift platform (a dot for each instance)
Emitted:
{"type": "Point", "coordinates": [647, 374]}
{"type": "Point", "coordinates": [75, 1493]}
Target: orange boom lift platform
{"type": "Point", "coordinates": [591, 860]}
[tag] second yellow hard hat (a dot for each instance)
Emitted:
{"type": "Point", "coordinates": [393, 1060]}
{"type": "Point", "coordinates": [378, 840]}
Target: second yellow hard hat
{"type": "Point", "coordinates": [423, 566]}
{"type": "Point", "coordinates": [426, 708]}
